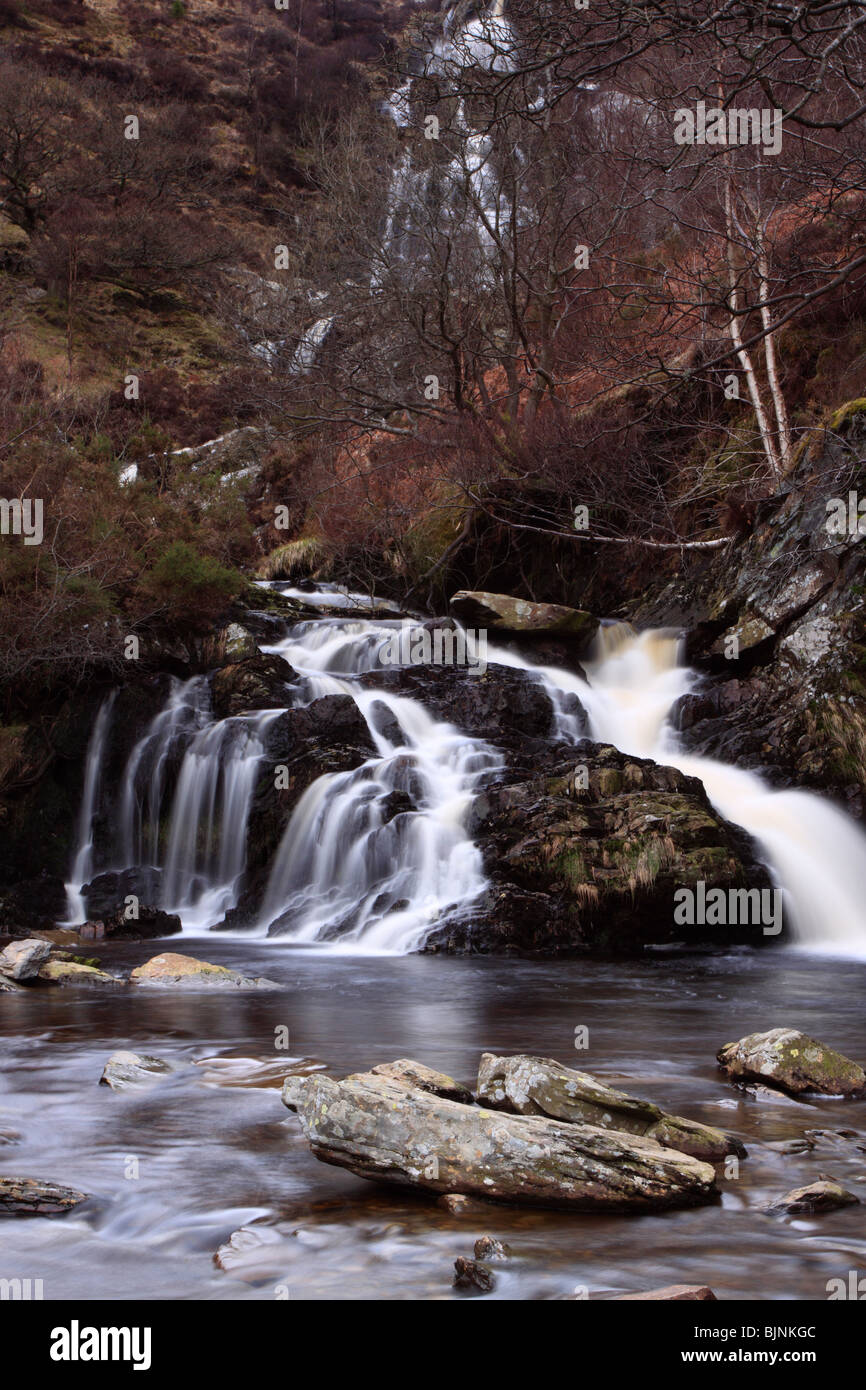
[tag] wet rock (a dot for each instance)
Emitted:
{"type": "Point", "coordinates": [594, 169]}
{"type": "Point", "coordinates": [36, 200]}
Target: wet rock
{"type": "Point", "coordinates": [170, 970]}
{"type": "Point", "coordinates": [525, 1085]}
{"type": "Point", "coordinates": [126, 1071]}
{"type": "Point", "coordinates": [585, 854]}
{"type": "Point", "coordinates": [479, 609]}
{"type": "Point", "coordinates": [8, 986]}
{"type": "Point", "coordinates": [35, 1197]}
{"type": "Point", "coordinates": [389, 1130]}
{"type": "Point", "coordinates": [150, 924]}
{"type": "Point", "coordinates": [408, 1073]}
{"type": "Point", "coordinates": [107, 893]}
{"type": "Point", "coordinates": [824, 1195]}
{"type": "Point", "coordinates": [71, 973]}
{"type": "Point", "coordinates": [699, 1293]}
{"type": "Point", "coordinates": [257, 682]}
{"type": "Point", "coordinates": [458, 1205]}
{"type": "Point", "coordinates": [766, 1095]}
{"type": "Point", "coordinates": [471, 1274]}
{"type": "Point", "coordinates": [793, 1062]}
{"type": "Point", "coordinates": [792, 1146]}
{"type": "Point", "coordinates": [503, 705]}
{"type": "Point", "coordinates": [22, 960]}
{"type": "Point", "coordinates": [489, 1248]}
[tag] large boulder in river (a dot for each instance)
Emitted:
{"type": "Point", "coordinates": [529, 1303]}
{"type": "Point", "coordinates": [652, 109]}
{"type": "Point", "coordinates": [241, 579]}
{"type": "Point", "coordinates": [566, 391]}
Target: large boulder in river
{"type": "Point", "coordinates": [585, 853]}
{"type": "Point", "coordinates": [539, 1086]}
{"type": "Point", "coordinates": [503, 613]}
{"type": "Point", "coordinates": [22, 960]}
{"type": "Point", "coordinates": [171, 970]}
{"type": "Point", "coordinates": [793, 1062]}
{"type": "Point", "coordinates": [387, 1128]}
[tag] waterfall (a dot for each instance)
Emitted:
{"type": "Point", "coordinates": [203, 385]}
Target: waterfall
{"type": "Point", "coordinates": [374, 857]}
{"type": "Point", "coordinates": [82, 860]}
{"type": "Point", "coordinates": [206, 840]}
{"type": "Point", "coordinates": [465, 189]}
{"type": "Point", "coordinates": [185, 796]}
{"type": "Point", "coordinates": [371, 859]}
{"type": "Point", "coordinates": [815, 852]}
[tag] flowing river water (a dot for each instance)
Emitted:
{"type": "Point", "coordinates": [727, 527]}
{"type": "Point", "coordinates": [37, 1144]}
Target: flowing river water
{"type": "Point", "coordinates": [208, 1159]}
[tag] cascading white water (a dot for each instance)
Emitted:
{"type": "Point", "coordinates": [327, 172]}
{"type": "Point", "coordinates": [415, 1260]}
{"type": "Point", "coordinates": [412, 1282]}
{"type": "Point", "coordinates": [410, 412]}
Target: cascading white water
{"type": "Point", "coordinates": [82, 863]}
{"type": "Point", "coordinates": [466, 190]}
{"type": "Point", "coordinates": [185, 796]}
{"type": "Point", "coordinates": [816, 853]}
{"type": "Point", "coordinates": [353, 869]}
{"type": "Point", "coordinates": [374, 857]}
{"type": "Point", "coordinates": [206, 842]}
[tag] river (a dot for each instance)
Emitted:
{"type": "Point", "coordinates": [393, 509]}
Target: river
{"type": "Point", "coordinates": [217, 1152]}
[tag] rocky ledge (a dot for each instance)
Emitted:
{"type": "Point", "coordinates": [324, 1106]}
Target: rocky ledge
{"type": "Point", "coordinates": [585, 852]}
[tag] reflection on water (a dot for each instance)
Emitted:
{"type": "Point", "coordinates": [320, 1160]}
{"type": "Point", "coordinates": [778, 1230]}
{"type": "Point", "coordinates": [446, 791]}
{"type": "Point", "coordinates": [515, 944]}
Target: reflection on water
{"type": "Point", "coordinates": [217, 1156]}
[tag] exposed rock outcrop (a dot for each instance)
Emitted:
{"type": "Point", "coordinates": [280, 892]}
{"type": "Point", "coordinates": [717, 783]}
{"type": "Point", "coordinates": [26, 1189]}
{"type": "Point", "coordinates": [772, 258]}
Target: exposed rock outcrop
{"type": "Point", "coordinates": [777, 621]}
{"type": "Point", "coordinates": [586, 851]}
{"type": "Point", "coordinates": [504, 613]}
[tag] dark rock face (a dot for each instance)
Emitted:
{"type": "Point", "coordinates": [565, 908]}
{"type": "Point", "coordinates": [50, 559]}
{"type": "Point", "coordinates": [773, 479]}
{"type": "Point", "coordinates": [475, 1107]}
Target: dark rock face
{"type": "Point", "coordinates": [35, 905]}
{"type": "Point", "coordinates": [789, 601]}
{"type": "Point", "coordinates": [586, 852]}
{"type": "Point", "coordinates": [256, 682]}
{"type": "Point", "coordinates": [502, 706]}
{"type": "Point", "coordinates": [106, 894]}
{"type": "Point", "coordinates": [150, 924]}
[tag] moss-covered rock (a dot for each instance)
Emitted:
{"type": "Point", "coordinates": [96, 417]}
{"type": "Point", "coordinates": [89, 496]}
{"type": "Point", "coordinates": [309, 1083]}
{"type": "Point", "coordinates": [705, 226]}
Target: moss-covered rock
{"type": "Point", "coordinates": [587, 854]}
{"type": "Point", "coordinates": [793, 1062]}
